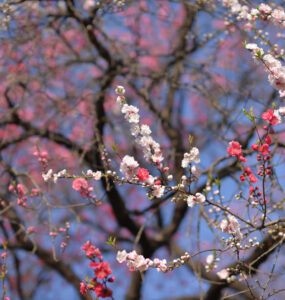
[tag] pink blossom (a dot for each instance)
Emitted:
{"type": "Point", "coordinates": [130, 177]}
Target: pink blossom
{"type": "Point", "coordinates": [231, 225]}
{"type": "Point", "coordinates": [121, 256]}
{"type": "Point", "coordinates": [192, 156]}
{"type": "Point", "coordinates": [264, 8]}
{"type": "Point", "coordinates": [131, 113]}
{"type": "Point", "coordinates": [129, 166]}
{"type": "Point", "coordinates": [21, 191]}
{"type": "Point", "coordinates": [120, 90]}
{"type": "Point", "coordinates": [89, 4]}
{"type": "Point", "coordinates": [96, 175]}
{"type": "Point", "coordinates": [34, 192]}
{"type": "Point", "coordinates": [158, 190]}
{"type": "Point", "coordinates": [48, 175]}
{"type": "Point", "coordinates": [145, 130]}
{"type": "Point", "coordinates": [139, 262]}
{"type": "Point", "coordinates": [31, 229]}
{"type": "Point", "coordinates": [195, 171]}
{"type": "Point", "coordinates": [79, 183]}
{"type": "Point", "coordinates": [210, 259]}
{"type": "Point", "coordinates": [198, 198]}
{"type": "Point", "coordinates": [223, 274]}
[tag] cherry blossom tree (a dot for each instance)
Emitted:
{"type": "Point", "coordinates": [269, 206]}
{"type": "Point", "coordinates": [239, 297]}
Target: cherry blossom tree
{"type": "Point", "coordinates": [142, 149]}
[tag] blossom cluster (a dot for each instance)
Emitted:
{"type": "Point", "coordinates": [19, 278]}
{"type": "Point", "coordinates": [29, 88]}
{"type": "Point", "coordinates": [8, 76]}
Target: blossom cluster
{"type": "Point", "coordinates": [273, 66]}
{"type": "Point", "coordinates": [191, 157]}
{"type": "Point", "coordinates": [42, 157]}
{"type": "Point", "coordinates": [134, 174]}
{"type": "Point", "coordinates": [263, 155]}
{"type": "Point", "coordinates": [228, 275]}
{"type": "Point", "coordinates": [91, 4]}
{"type": "Point", "coordinates": [211, 262]}
{"type": "Point", "coordinates": [231, 226]}
{"type": "Point", "coordinates": [22, 196]}
{"type": "Point", "coordinates": [102, 272]}
{"type": "Point", "coordinates": [235, 150]}
{"type": "Point", "coordinates": [263, 11]}
{"type": "Point", "coordinates": [137, 262]}
{"type": "Point", "coordinates": [276, 73]}
{"type": "Point", "coordinates": [248, 172]}
{"type": "Point", "coordinates": [198, 198]}
{"type": "Point", "coordinates": [3, 273]}
{"type": "Point", "coordinates": [130, 168]}
{"type": "Point", "coordinates": [53, 234]}
{"type": "Point", "coordinates": [81, 185]}
{"type": "Point", "coordinates": [20, 192]}
{"type": "Point", "coordinates": [142, 133]}
{"type": "Point", "coordinates": [47, 176]}
{"type": "Point", "coordinates": [95, 175]}
{"type": "Point", "coordinates": [266, 13]}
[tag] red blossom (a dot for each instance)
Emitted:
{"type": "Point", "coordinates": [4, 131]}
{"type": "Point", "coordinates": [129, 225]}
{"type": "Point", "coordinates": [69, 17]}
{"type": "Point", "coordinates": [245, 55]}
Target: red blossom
{"type": "Point", "coordinates": [93, 264]}
{"type": "Point", "coordinates": [102, 291]}
{"type": "Point", "coordinates": [252, 178]}
{"type": "Point", "coordinates": [83, 289]}
{"type": "Point", "coordinates": [111, 279]}
{"type": "Point", "coordinates": [234, 149]}
{"type": "Point", "coordinates": [91, 250]}
{"type": "Point", "coordinates": [254, 147]}
{"type": "Point", "coordinates": [251, 189]}
{"type": "Point", "coordinates": [247, 171]}
{"type": "Point", "coordinates": [270, 117]}
{"type": "Point", "coordinates": [143, 174]}
{"type": "Point", "coordinates": [242, 158]}
{"type": "Point", "coordinates": [103, 270]}
{"type": "Point", "coordinates": [268, 140]}
{"type": "Point", "coordinates": [264, 149]}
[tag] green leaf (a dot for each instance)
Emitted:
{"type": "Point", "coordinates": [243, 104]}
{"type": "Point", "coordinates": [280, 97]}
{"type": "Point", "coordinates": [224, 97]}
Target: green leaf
{"type": "Point", "coordinates": [115, 148]}
{"type": "Point", "coordinates": [210, 177]}
{"type": "Point", "coordinates": [190, 139]}
{"type": "Point", "coordinates": [218, 182]}
{"type": "Point", "coordinates": [246, 113]}
{"type": "Point", "coordinates": [249, 115]}
{"type": "Point", "coordinates": [111, 241]}
{"type": "Point", "coordinates": [258, 54]}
